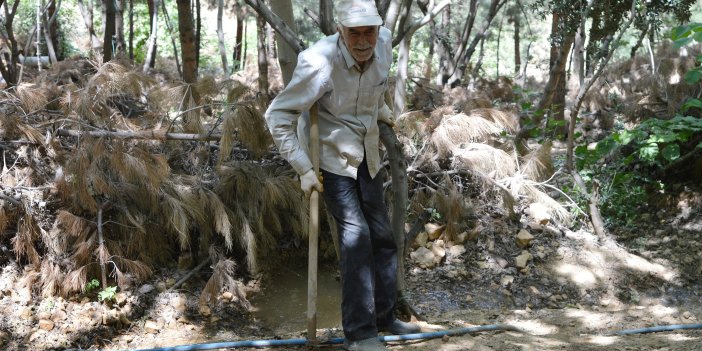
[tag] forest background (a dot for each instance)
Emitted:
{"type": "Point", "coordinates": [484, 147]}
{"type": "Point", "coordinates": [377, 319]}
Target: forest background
{"type": "Point", "coordinates": [133, 138]}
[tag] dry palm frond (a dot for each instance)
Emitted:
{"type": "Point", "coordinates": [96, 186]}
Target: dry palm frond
{"type": "Point", "coordinates": [236, 92]}
{"type": "Point", "coordinates": [163, 98]}
{"type": "Point", "coordinates": [192, 123]}
{"type": "Point", "coordinates": [32, 134]}
{"type": "Point", "coordinates": [460, 129]}
{"type": "Point", "coordinates": [83, 251]}
{"type": "Point", "coordinates": [252, 129]}
{"type": "Point", "coordinates": [226, 143]}
{"type": "Point", "coordinates": [453, 208]}
{"type": "Point", "coordinates": [175, 212]}
{"type": "Point", "coordinates": [484, 159]}
{"type": "Point", "coordinates": [32, 97]}
{"type": "Point", "coordinates": [8, 126]}
{"type": "Point", "coordinates": [223, 277]}
{"type": "Point", "coordinates": [538, 165]}
{"type": "Point", "coordinates": [76, 280]}
{"type": "Point", "coordinates": [4, 218]}
{"type": "Point", "coordinates": [505, 120]}
{"type": "Point", "coordinates": [555, 209]}
{"type": "Point", "coordinates": [220, 216]}
{"type": "Point", "coordinates": [410, 124]}
{"type": "Point", "coordinates": [249, 243]}
{"type": "Point", "coordinates": [28, 231]}
{"type": "Point", "coordinates": [136, 271]}
{"type": "Point", "coordinates": [206, 86]}
{"type": "Point", "coordinates": [51, 278]}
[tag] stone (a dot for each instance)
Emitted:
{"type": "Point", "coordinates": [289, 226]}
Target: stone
{"type": "Point", "coordinates": [179, 303]}
{"type": "Point", "coordinates": [204, 310]}
{"type": "Point", "coordinates": [474, 233]}
{"type": "Point", "coordinates": [151, 327]}
{"type": "Point", "coordinates": [146, 288]}
{"type": "Point", "coordinates": [439, 250]}
{"type": "Point", "coordinates": [506, 280]}
{"type": "Point", "coordinates": [227, 296]}
{"type": "Point", "coordinates": [421, 239]}
{"type": "Point", "coordinates": [523, 259]}
{"type": "Point", "coordinates": [539, 213]}
{"type": "Point", "coordinates": [524, 238]}
{"type": "Point", "coordinates": [461, 238]}
{"type": "Point", "coordinates": [423, 257]}
{"type": "Point", "coordinates": [59, 315]}
{"type": "Point", "coordinates": [433, 230]}
{"type": "Point", "coordinates": [121, 298]}
{"type": "Point", "coordinates": [457, 250]}
{"type": "Point", "coordinates": [46, 324]}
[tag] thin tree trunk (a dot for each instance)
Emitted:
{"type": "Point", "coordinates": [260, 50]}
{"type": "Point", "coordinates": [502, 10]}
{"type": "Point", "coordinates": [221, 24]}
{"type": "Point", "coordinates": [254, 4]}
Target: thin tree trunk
{"type": "Point", "coordinates": [198, 33]}
{"type": "Point", "coordinates": [119, 26]}
{"type": "Point", "coordinates": [392, 14]}
{"type": "Point", "coordinates": [278, 24]}
{"type": "Point", "coordinates": [220, 36]}
{"type": "Point", "coordinates": [131, 29]}
{"type": "Point", "coordinates": [87, 13]}
{"type": "Point", "coordinates": [39, 32]}
{"type": "Point", "coordinates": [517, 55]}
{"type": "Point", "coordinates": [497, 52]}
{"type": "Point", "coordinates": [171, 32]}
{"type": "Point", "coordinates": [238, 45]}
{"type": "Point", "coordinates": [187, 41]}
{"type": "Point", "coordinates": [262, 57]}
{"type": "Point", "coordinates": [287, 57]}
{"type": "Point", "coordinates": [150, 59]}
{"type": "Point", "coordinates": [326, 17]}
{"type": "Point", "coordinates": [50, 29]}
{"type": "Point", "coordinates": [8, 65]}
{"type": "Point", "coordinates": [109, 8]}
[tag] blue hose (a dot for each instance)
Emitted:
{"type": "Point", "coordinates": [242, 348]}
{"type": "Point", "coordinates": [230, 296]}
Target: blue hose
{"type": "Point", "coordinates": [303, 342]}
{"type": "Point", "coordinates": [660, 328]}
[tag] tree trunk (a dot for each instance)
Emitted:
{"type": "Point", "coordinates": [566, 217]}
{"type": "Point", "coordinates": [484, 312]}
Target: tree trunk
{"type": "Point", "coordinates": [150, 59]}
{"type": "Point", "coordinates": [238, 45]}
{"type": "Point", "coordinates": [131, 29]}
{"type": "Point", "coordinates": [553, 100]}
{"type": "Point", "coordinates": [444, 49]}
{"type": "Point", "coordinates": [262, 57]}
{"type": "Point", "coordinates": [263, 11]}
{"type": "Point", "coordinates": [9, 63]}
{"type": "Point", "coordinates": [391, 15]}
{"type": "Point", "coordinates": [109, 25]}
{"type": "Point", "coordinates": [86, 11]}
{"type": "Point", "coordinates": [187, 41]}
{"type": "Point", "coordinates": [517, 55]}
{"type": "Point", "coordinates": [220, 36]}
{"type": "Point", "coordinates": [176, 55]}
{"type": "Point", "coordinates": [50, 28]}
{"type": "Point", "coordinates": [119, 26]}
{"type": "Point", "coordinates": [198, 33]}
{"type": "Point", "coordinates": [287, 57]}
{"type": "Point", "coordinates": [326, 17]}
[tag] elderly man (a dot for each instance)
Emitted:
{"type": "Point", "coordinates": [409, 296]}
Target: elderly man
{"type": "Point", "coordinates": [346, 75]}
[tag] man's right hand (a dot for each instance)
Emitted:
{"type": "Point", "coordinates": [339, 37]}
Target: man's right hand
{"type": "Point", "coordinates": [309, 180]}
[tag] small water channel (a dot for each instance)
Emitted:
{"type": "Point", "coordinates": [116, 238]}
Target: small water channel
{"type": "Point", "coordinates": [282, 303]}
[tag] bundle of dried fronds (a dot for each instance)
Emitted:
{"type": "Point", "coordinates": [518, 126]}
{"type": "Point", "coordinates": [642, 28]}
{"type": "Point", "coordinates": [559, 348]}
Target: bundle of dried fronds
{"type": "Point", "coordinates": [455, 208]}
{"type": "Point", "coordinates": [51, 278]}
{"type": "Point", "coordinates": [32, 97]}
{"type": "Point", "coordinates": [522, 187]}
{"type": "Point", "coordinates": [112, 79]}
{"type": "Point", "coordinates": [229, 130]}
{"type": "Point", "coordinates": [252, 128]}
{"type": "Point", "coordinates": [224, 278]}
{"type": "Point", "coordinates": [28, 231]}
{"type": "Point", "coordinates": [508, 121]}
{"type": "Point", "coordinates": [409, 124]}
{"type": "Point", "coordinates": [457, 130]}
{"type": "Point", "coordinates": [484, 159]}
{"type": "Point", "coordinates": [538, 165]}
{"type": "Point", "coordinates": [265, 203]}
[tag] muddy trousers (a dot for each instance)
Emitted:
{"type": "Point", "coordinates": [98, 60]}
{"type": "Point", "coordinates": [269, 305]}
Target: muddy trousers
{"type": "Point", "coordinates": [368, 260]}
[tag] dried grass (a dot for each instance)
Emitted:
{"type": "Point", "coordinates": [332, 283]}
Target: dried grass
{"type": "Point", "coordinates": [252, 128]}
{"type": "Point", "coordinates": [458, 130]}
{"type": "Point", "coordinates": [484, 159]}
{"type": "Point", "coordinates": [538, 165]}
{"type": "Point", "coordinates": [223, 277]}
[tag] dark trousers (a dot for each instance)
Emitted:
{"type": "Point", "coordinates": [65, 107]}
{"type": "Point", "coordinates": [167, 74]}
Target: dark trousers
{"type": "Point", "coordinates": [368, 262]}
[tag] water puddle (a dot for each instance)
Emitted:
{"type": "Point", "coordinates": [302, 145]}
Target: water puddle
{"type": "Point", "coordinates": [282, 303]}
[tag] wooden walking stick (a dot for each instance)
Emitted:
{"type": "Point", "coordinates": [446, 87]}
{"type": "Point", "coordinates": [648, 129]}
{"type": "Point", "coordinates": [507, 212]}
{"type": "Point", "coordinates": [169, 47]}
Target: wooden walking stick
{"type": "Point", "coordinates": [313, 233]}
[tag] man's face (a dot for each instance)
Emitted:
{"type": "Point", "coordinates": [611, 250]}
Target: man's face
{"type": "Point", "coordinates": [360, 41]}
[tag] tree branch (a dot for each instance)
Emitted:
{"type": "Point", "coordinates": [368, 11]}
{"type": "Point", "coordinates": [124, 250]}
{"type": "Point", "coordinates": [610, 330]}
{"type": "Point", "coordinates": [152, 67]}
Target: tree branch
{"type": "Point", "coordinates": [278, 24]}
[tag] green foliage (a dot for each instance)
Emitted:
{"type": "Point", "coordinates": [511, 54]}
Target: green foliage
{"type": "Point", "coordinates": [107, 294]}
{"type": "Point", "coordinates": [92, 285]}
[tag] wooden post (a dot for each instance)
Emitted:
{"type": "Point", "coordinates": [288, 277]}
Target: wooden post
{"type": "Point", "coordinates": [313, 233]}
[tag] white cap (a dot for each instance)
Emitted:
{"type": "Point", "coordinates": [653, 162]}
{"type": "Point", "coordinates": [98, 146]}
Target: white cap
{"type": "Point", "coordinates": [357, 13]}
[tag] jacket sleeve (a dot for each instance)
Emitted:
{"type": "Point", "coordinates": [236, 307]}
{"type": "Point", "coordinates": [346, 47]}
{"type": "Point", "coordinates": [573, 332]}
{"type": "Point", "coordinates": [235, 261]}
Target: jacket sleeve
{"type": "Point", "coordinates": [309, 82]}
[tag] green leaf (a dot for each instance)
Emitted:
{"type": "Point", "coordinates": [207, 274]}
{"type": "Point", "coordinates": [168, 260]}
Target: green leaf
{"type": "Point", "coordinates": [671, 152]}
{"type": "Point", "coordinates": [682, 42]}
{"type": "Point", "coordinates": [690, 104]}
{"type": "Point", "coordinates": [649, 152]}
{"type": "Point", "coordinates": [605, 146]}
{"type": "Point", "coordinates": [693, 76]}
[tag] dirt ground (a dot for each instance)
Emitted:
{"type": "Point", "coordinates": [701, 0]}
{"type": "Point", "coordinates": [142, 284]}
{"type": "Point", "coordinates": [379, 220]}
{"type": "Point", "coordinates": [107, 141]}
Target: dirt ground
{"type": "Point", "coordinates": [576, 289]}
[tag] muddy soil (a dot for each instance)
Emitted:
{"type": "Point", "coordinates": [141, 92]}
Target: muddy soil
{"type": "Point", "coordinates": [576, 289]}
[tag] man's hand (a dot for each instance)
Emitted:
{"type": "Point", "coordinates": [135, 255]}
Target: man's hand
{"type": "Point", "coordinates": [309, 180]}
